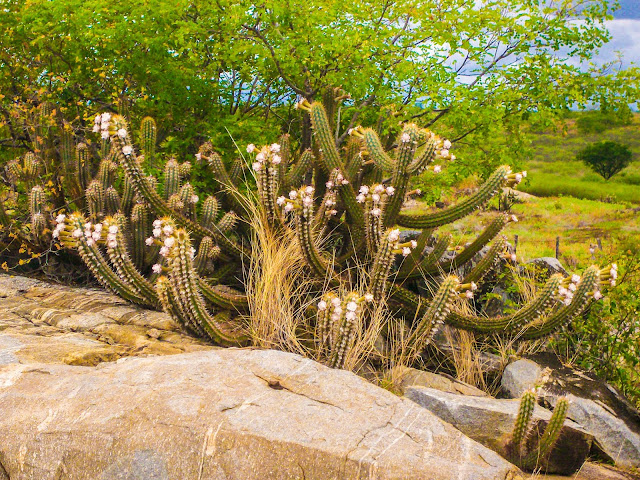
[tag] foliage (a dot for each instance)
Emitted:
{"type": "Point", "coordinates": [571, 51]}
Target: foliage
{"type": "Point", "coordinates": [203, 67]}
{"type": "Point", "coordinates": [600, 121]}
{"type": "Point", "coordinates": [606, 158]}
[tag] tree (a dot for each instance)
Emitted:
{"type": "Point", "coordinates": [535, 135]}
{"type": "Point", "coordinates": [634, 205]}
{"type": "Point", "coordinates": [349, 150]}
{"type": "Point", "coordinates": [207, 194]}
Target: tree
{"type": "Point", "coordinates": [606, 158]}
{"type": "Point", "coordinates": [201, 67]}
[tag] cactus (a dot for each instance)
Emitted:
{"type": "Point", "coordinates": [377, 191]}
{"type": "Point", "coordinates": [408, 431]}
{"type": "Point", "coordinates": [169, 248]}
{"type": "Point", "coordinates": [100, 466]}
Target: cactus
{"type": "Point", "coordinates": [519, 448]}
{"type": "Point", "coordinates": [148, 138]}
{"type": "Point", "coordinates": [154, 243]}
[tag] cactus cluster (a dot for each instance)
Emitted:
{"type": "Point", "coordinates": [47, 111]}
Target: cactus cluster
{"type": "Point", "coordinates": [152, 241]}
{"type": "Point", "coordinates": [521, 452]}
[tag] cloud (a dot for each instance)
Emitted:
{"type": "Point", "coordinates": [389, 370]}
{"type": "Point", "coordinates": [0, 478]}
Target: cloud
{"type": "Point", "coordinates": [625, 35]}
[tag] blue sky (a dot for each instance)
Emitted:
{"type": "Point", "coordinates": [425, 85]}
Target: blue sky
{"type": "Point", "coordinates": [625, 31]}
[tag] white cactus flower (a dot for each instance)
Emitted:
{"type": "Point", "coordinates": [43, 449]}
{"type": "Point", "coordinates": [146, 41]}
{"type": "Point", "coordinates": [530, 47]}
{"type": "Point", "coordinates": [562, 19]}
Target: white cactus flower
{"type": "Point", "coordinates": [167, 229]}
{"type": "Point", "coordinates": [127, 149]}
{"type": "Point", "coordinates": [368, 297]}
{"type": "Point", "coordinates": [352, 306]}
{"type": "Point", "coordinates": [351, 316]}
{"type": "Point", "coordinates": [394, 235]}
{"type": "Point", "coordinates": [364, 190]}
{"type": "Point", "coordinates": [149, 241]}
{"type": "Point", "coordinates": [293, 194]}
{"type": "Point", "coordinates": [169, 242]}
{"type": "Point", "coordinates": [361, 198]}
{"type": "Point", "coordinates": [275, 147]}
{"type": "Point", "coordinates": [414, 244]}
{"type": "Point", "coordinates": [276, 159]}
{"type": "Point", "coordinates": [405, 138]}
{"type": "Point", "coordinates": [446, 144]}
{"type": "Point", "coordinates": [391, 191]}
{"type": "Point", "coordinates": [288, 207]}
{"type": "Point", "coordinates": [575, 278]}
{"type": "Point", "coordinates": [122, 133]}
{"type": "Point", "coordinates": [113, 229]}
{"type": "Point", "coordinates": [322, 305]}
{"type": "Point", "coordinates": [250, 148]}
{"type": "Point", "coordinates": [281, 201]}
{"type": "Point", "coordinates": [257, 166]}
{"type": "Point", "coordinates": [164, 251]}
{"type": "Point", "coordinates": [597, 295]}
{"type": "Point", "coordinates": [376, 212]}
{"type": "Point", "coordinates": [157, 268]}
{"type": "Point", "coordinates": [406, 251]}
{"type": "Point", "coordinates": [436, 169]}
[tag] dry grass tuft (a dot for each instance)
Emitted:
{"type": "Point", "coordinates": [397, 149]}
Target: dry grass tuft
{"type": "Point", "coordinates": [278, 287]}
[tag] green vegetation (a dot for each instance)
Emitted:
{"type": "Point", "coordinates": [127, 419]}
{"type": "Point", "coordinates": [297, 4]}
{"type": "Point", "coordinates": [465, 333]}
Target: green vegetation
{"type": "Point", "coordinates": [606, 158]}
{"type": "Point", "coordinates": [554, 169]}
{"type": "Point", "coordinates": [233, 69]}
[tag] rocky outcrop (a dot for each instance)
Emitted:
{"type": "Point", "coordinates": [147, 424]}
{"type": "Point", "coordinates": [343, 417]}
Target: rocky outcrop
{"type": "Point", "coordinates": [46, 323]}
{"type": "Point", "coordinates": [69, 411]}
{"type": "Point", "coordinates": [598, 407]}
{"type": "Point", "coordinates": [490, 421]}
{"type": "Point", "coordinates": [405, 377]}
{"type": "Point", "coordinates": [223, 414]}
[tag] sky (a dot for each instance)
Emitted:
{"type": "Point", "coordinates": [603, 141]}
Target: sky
{"type": "Point", "coordinates": [625, 32]}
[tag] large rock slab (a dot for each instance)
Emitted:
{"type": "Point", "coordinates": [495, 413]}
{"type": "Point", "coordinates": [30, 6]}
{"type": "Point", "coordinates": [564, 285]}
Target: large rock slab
{"type": "Point", "coordinates": [47, 323]}
{"type": "Point", "coordinates": [598, 407]}
{"type": "Point", "coordinates": [490, 421]}
{"type": "Point", "coordinates": [223, 414]}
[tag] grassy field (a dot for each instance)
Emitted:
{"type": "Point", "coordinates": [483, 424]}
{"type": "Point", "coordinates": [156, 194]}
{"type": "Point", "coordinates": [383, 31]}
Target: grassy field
{"type": "Point", "coordinates": [579, 223]}
{"type": "Point", "coordinates": [555, 171]}
{"type": "Point", "coordinates": [568, 200]}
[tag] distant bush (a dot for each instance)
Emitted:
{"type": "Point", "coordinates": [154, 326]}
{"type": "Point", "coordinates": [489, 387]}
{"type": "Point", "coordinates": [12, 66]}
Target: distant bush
{"type": "Point", "coordinates": [601, 120]}
{"type": "Point", "coordinates": [606, 158]}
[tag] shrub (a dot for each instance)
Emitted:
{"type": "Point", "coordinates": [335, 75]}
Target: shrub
{"type": "Point", "coordinates": [606, 158]}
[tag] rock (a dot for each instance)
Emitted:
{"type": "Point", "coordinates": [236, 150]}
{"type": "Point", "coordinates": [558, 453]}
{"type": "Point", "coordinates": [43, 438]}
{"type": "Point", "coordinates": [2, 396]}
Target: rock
{"type": "Point", "coordinates": [408, 235]}
{"type": "Point", "coordinates": [490, 421]}
{"type": "Point", "coordinates": [591, 471]}
{"type": "Point", "coordinates": [598, 407]}
{"type": "Point", "coordinates": [223, 414]}
{"type": "Point", "coordinates": [92, 387]}
{"type": "Point", "coordinates": [409, 377]}
{"type": "Point", "coordinates": [550, 265]}
{"type": "Point", "coordinates": [46, 323]}
{"type": "Point", "coordinates": [520, 376]}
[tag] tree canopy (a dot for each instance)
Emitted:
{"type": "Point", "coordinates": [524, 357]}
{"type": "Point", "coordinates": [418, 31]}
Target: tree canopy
{"type": "Point", "coordinates": [606, 158]}
{"type": "Point", "coordinates": [228, 68]}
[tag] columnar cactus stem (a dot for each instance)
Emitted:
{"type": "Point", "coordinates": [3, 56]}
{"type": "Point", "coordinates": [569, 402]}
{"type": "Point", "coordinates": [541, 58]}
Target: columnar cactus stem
{"type": "Point", "coordinates": [117, 251]}
{"type": "Point", "coordinates": [382, 263]}
{"type": "Point", "coordinates": [333, 161]}
{"type": "Point", "coordinates": [106, 173]}
{"type": "Point", "coordinates": [141, 229]}
{"type": "Point", "coordinates": [579, 302]}
{"type": "Point", "coordinates": [550, 434]}
{"type": "Point", "coordinates": [171, 178]}
{"type": "Point", "coordinates": [112, 201]}
{"type": "Point", "coordinates": [95, 200]}
{"type": "Point", "coordinates": [434, 316]}
{"type": "Point", "coordinates": [512, 323]}
{"type": "Point", "coordinates": [400, 177]}
{"type": "Point", "coordinates": [148, 137]}
{"type": "Point", "coordinates": [295, 177]}
{"type": "Point", "coordinates": [184, 286]}
{"type": "Point", "coordinates": [484, 266]}
{"type": "Point", "coordinates": [432, 220]}
{"type": "Point", "coordinates": [522, 424]}
{"type": "Point", "coordinates": [71, 233]}
{"type": "Point", "coordinates": [210, 209]}
{"type": "Point", "coordinates": [493, 229]}
{"type": "Point", "coordinates": [82, 166]}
